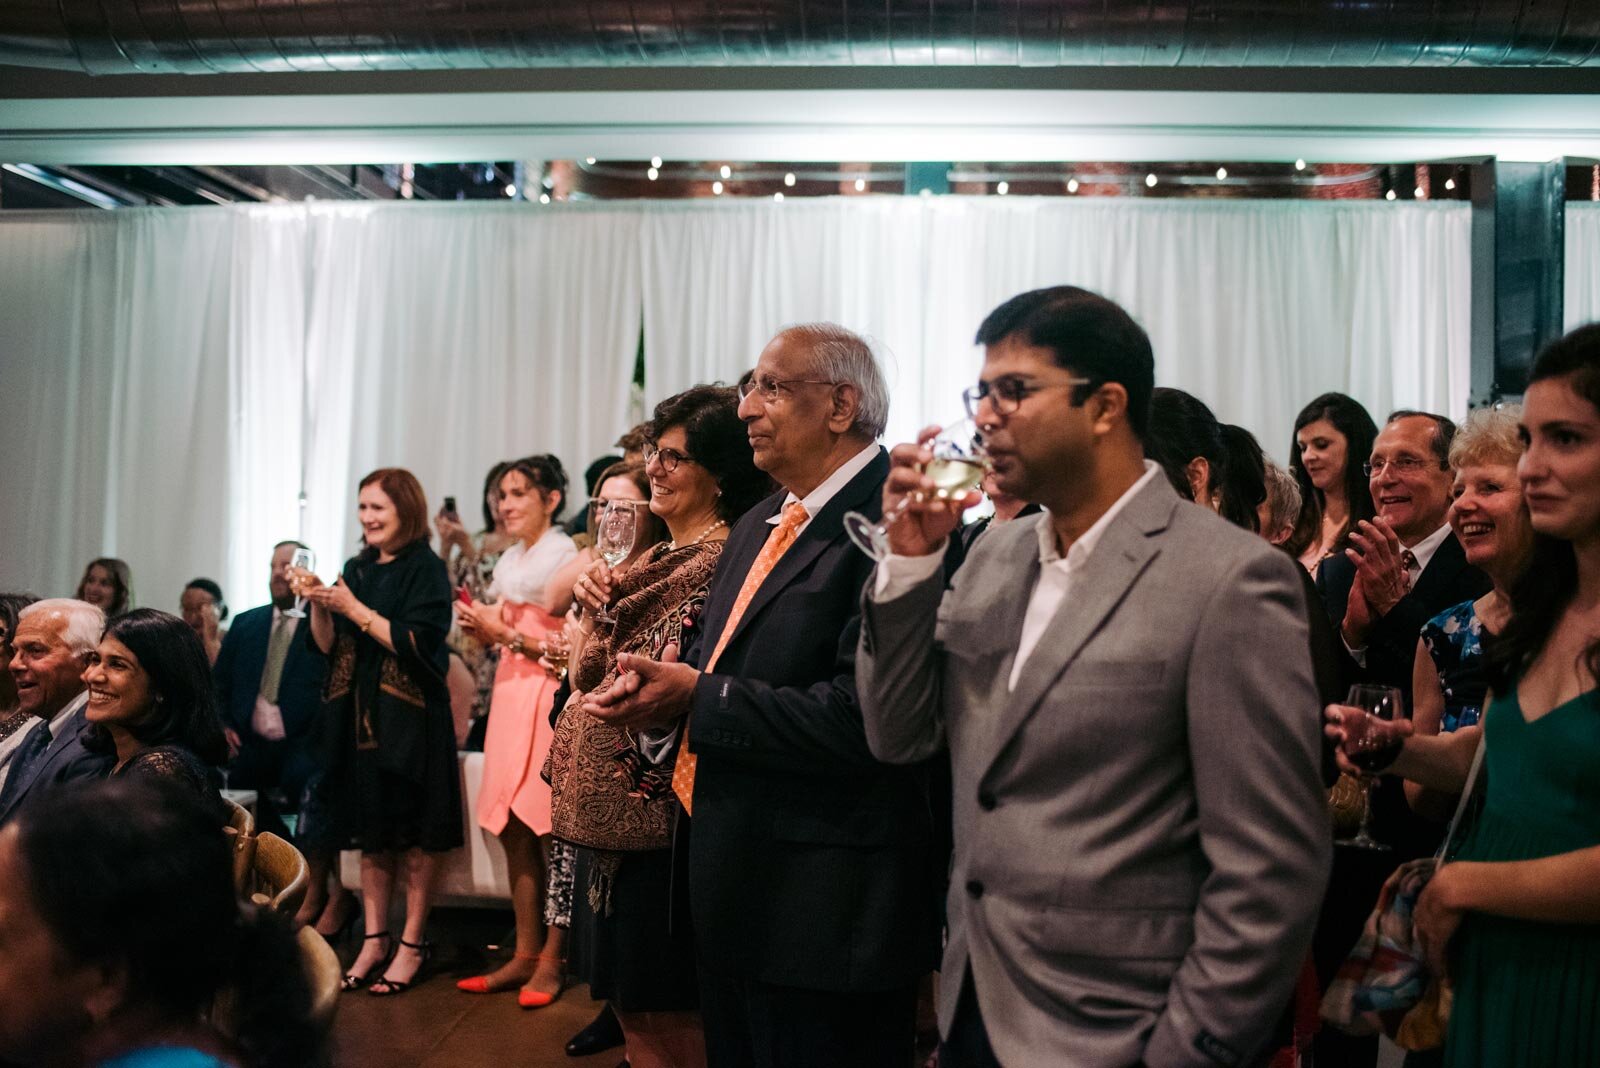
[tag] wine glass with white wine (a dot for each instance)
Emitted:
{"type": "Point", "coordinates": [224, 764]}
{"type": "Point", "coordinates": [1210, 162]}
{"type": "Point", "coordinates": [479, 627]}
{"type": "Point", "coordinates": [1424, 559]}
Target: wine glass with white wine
{"type": "Point", "coordinates": [614, 541]}
{"type": "Point", "coordinates": [957, 468]}
{"type": "Point", "coordinates": [302, 560]}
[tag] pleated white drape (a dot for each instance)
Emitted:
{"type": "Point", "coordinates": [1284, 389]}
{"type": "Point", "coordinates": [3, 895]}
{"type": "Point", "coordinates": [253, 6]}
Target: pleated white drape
{"type": "Point", "coordinates": [173, 378]}
{"type": "Point", "coordinates": [1253, 306]}
{"type": "Point", "coordinates": [1582, 303]}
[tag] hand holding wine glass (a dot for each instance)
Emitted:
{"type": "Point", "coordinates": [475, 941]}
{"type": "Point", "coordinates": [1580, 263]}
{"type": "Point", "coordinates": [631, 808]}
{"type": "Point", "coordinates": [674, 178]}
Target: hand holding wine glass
{"type": "Point", "coordinates": [302, 580]}
{"type": "Point", "coordinates": [614, 541]}
{"type": "Point", "coordinates": [1371, 728]}
{"type": "Point", "coordinates": [929, 485]}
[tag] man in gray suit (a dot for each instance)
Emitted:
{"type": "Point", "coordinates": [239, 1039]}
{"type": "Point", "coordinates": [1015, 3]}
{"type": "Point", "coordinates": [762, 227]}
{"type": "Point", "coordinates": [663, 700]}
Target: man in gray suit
{"type": "Point", "coordinates": [1123, 682]}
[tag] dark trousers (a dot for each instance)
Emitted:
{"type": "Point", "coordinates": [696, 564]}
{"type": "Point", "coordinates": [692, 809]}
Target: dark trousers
{"type": "Point", "coordinates": [968, 1044]}
{"type": "Point", "coordinates": [750, 1024]}
{"type": "Point", "coordinates": [276, 771]}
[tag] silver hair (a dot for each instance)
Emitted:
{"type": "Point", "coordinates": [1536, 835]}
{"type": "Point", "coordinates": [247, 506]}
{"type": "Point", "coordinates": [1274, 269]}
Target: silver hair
{"type": "Point", "coordinates": [843, 356]}
{"type": "Point", "coordinates": [84, 622]}
{"type": "Point", "coordinates": [1489, 436]}
{"type": "Point", "coordinates": [1283, 498]}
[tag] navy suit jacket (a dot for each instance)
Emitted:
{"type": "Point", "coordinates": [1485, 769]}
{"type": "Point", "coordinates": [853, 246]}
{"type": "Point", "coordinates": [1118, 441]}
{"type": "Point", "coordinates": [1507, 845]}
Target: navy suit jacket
{"type": "Point", "coordinates": [1391, 653]}
{"type": "Point", "coordinates": [66, 760]}
{"type": "Point", "coordinates": [244, 657]}
{"type": "Point", "coordinates": [811, 864]}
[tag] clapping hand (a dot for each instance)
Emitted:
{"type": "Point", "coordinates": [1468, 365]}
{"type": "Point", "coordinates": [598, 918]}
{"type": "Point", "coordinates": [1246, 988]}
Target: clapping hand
{"type": "Point", "coordinates": [1380, 579]}
{"type": "Point", "coordinates": [335, 598]}
{"type": "Point", "coordinates": [485, 622]}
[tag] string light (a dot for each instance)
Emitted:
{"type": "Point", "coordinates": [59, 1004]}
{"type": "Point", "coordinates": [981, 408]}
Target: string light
{"type": "Point", "coordinates": [1389, 195]}
{"type": "Point", "coordinates": [589, 160]}
{"type": "Point", "coordinates": [655, 163]}
{"type": "Point", "coordinates": [727, 171]}
{"type": "Point", "coordinates": [1420, 193]}
{"type": "Point", "coordinates": [861, 185]}
{"type": "Point", "coordinates": [1222, 174]}
{"type": "Point", "coordinates": [1449, 183]}
{"type": "Point", "coordinates": [544, 198]}
{"type": "Point", "coordinates": [1299, 164]}
{"type": "Point", "coordinates": [1003, 188]}
{"type": "Point", "coordinates": [511, 190]}
{"type": "Point", "coordinates": [1072, 185]}
{"type": "Point", "coordinates": [778, 197]}
{"type": "Point", "coordinates": [1150, 180]}
{"type": "Point", "coordinates": [716, 188]}
{"type": "Point", "coordinates": [652, 174]}
{"type": "Point", "coordinates": [926, 193]}
{"type": "Point", "coordinates": [788, 179]}
{"type": "Point", "coordinates": [406, 190]}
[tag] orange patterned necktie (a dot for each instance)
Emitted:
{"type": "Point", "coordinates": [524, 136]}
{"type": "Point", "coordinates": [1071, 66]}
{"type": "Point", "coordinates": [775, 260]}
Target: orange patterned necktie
{"type": "Point", "coordinates": [778, 542]}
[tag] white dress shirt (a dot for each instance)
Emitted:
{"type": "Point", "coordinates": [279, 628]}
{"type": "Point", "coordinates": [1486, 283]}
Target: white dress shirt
{"type": "Point", "coordinates": [829, 488]}
{"type": "Point", "coordinates": [266, 719]}
{"type": "Point", "coordinates": [523, 571]}
{"type": "Point", "coordinates": [897, 574]}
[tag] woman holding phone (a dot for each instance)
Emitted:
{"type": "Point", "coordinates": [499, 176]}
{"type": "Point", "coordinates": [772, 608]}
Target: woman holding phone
{"type": "Point", "coordinates": [513, 801]}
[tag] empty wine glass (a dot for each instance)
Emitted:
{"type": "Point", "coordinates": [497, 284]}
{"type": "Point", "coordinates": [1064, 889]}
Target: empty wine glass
{"type": "Point", "coordinates": [305, 560]}
{"type": "Point", "coordinates": [957, 468]}
{"type": "Point", "coordinates": [1371, 743]}
{"type": "Point", "coordinates": [614, 540]}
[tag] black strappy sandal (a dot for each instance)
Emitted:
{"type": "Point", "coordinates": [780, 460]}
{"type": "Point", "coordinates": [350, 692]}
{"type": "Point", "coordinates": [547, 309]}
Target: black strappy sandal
{"type": "Point", "coordinates": [351, 981]}
{"type": "Point", "coordinates": [384, 987]}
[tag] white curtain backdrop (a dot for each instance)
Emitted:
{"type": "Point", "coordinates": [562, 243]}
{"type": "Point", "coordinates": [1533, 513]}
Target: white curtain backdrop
{"type": "Point", "coordinates": [1582, 303]}
{"type": "Point", "coordinates": [172, 375]}
{"type": "Point", "coordinates": [173, 378]}
{"type": "Point", "coordinates": [1255, 307]}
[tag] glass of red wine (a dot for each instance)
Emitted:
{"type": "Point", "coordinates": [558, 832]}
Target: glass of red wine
{"type": "Point", "coordinates": [1372, 741]}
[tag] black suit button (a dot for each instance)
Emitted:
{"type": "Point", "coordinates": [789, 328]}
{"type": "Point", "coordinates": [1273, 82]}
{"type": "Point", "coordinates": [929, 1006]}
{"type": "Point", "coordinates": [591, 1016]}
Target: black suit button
{"type": "Point", "coordinates": [986, 800]}
{"type": "Point", "coordinates": [974, 888]}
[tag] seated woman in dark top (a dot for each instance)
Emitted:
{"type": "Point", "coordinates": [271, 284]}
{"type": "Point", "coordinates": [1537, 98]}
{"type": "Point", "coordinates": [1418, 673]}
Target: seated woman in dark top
{"type": "Point", "coordinates": [151, 703]}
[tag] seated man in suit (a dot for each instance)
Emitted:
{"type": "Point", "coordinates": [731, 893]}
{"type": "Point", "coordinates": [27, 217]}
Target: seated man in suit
{"type": "Point", "coordinates": [269, 689]}
{"type": "Point", "coordinates": [1125, 689]}
{"type": "Point", "coordinates": [1403, 567]}
{"type": "Point", "coordinates": [810, 864]}
{"type": "Point", "coordinates": [51, 649]}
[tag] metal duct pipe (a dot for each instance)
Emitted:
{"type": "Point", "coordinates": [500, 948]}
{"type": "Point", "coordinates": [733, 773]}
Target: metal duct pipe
{"type": "Point", "coordinates": [242, 36]}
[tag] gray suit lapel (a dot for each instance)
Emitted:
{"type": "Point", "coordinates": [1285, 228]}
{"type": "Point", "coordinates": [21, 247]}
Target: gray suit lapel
{"type": "Point", "coordinates": [59, 740]}
{"type": "Point", "coordinates": [1125, 550]}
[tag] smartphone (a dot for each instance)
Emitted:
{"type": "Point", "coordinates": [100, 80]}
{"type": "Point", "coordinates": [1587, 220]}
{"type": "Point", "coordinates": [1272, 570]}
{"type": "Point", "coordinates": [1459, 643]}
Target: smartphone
{"type": "Point", "coordinates": [464, 595]}
{"type": "Point", "coordinates": [449, 506]}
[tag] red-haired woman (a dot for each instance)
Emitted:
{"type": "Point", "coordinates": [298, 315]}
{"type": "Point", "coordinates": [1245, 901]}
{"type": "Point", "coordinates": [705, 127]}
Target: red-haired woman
{"type": "Point", "coordinates": [392, 782]}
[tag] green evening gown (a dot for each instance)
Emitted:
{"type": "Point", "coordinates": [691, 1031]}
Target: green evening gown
{"type": "Point", "coordinates": [1528, 993]}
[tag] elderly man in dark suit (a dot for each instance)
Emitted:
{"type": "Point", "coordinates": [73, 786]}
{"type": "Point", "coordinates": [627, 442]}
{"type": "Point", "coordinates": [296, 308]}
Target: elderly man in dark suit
{"type": "Point", "coordinates": [51, 649]}
{"type": "Point", "coordinates": [810, 864]}
{"type": "Point", "coordinates": [1404, 567]}
{"type": "Point", "coordinates": [1124, 686]}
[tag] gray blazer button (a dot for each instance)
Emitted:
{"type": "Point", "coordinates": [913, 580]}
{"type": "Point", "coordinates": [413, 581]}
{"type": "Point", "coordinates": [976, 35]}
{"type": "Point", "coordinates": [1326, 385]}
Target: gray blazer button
{"type": "Point", "coordinates": [974, 888]}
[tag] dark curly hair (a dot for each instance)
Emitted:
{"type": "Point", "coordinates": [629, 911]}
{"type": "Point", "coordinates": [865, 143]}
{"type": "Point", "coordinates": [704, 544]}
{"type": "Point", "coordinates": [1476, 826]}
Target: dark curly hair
{"type": "Point", "coordinates": [184, 712]}
{"type": "Point", "coordinates": [545, 473]}
{"type": "Point", "coordinates": [717, 439]}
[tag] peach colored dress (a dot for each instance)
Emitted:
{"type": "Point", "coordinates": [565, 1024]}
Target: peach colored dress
{"type": "Point", "coordinates": [518, 736]}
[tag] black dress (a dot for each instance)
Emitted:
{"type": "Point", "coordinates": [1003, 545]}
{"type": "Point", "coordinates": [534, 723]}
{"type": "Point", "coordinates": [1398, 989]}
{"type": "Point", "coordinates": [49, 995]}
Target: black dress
{"type": "Point", "coordinates": [392, 781]}
{"type": "Point", "coordinates": [180, 768]}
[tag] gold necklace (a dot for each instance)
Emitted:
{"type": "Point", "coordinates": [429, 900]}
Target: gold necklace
{"type": "Point", "coordinates": [704, 534]}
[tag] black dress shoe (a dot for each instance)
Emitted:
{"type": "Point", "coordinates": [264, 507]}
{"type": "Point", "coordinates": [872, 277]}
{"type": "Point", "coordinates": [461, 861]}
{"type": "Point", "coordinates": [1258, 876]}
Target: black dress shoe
{"type": "Point", "coordinates": [603, 1033]}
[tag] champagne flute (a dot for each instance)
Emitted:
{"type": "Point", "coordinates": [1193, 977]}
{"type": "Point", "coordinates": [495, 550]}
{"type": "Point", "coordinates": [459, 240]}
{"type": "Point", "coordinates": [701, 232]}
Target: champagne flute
{"type": "Point", "coordinates": [614, 541]}
{"type": "Point", "coordinates": [1371, 742]}
{"type": "Point", "coordinates": [305, 560]}
{"type": "Point", "coordinates": [957, 468]}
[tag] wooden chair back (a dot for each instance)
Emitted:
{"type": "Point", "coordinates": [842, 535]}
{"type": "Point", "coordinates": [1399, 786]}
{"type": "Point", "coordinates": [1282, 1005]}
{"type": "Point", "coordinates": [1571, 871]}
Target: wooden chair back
{"type": "Point", "coordinates": [281, 875]}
